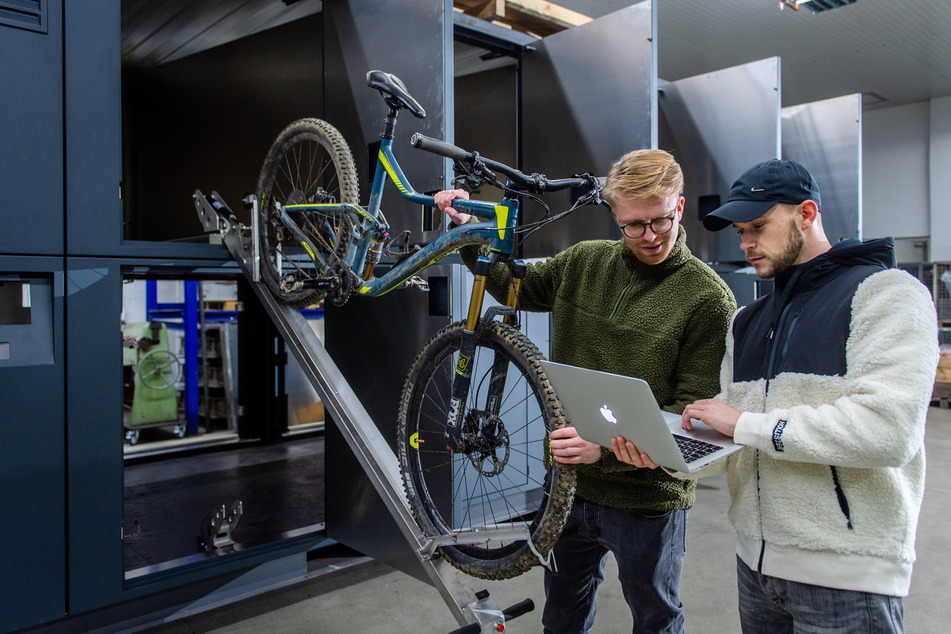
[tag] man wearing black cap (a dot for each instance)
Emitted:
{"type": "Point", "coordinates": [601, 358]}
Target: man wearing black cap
{"type": "Point", "coordinates": [827, 381]}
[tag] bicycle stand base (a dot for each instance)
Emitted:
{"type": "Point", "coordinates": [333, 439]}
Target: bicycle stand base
{"type": "Point", "coordinates": [374, 453]}
{"type": "Point", "coordinates": [490, 618]}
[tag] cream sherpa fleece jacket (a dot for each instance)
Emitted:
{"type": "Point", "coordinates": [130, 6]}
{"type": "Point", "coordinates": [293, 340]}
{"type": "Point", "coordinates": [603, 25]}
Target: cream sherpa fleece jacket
{"type": "Point", "coordinates": [830, 486]}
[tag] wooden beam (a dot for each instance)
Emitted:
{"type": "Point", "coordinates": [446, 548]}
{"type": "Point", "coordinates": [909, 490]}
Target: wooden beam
{"type": "Point", "coordinates": [546, 12]}
{"type": "Point", "coordinates": [490, 10]}
{"type": "Point", "coordinates": [538, 17]}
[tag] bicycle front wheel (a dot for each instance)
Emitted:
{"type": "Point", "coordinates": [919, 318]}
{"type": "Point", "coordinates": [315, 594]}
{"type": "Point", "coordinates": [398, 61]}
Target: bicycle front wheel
{"type": "Point", "coordinates": [308, 163]}
{"type": "Point", "coordinates": [497, 472]}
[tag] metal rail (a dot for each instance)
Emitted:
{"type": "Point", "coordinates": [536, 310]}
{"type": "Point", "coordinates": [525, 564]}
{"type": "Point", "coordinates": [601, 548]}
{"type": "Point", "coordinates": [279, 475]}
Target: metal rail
{"type": "Point", "coordinates": [365, 440]}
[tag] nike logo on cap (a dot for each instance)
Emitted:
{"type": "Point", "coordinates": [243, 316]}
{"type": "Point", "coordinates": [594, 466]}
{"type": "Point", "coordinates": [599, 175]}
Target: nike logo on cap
{"type": "Point", "coordinates": [759, 189]}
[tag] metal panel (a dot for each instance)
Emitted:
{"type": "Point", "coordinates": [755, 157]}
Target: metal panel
{"type": "Point", "coordinates": [94, 411]}
{"type": "Point", "coordinates": [31, 137]}
{"type": "Point", "coordinates": [32, 454]}
{"type": "Point", "coordinates": [373, 353]}
{"type": "Point", "coordinates": [93, 128]}
{"type": "Point", "coordinates": [826, 137]}
{"type": "Point", "coordinates": [589, 96]}
{"type": "Point", "coordinates": [718, 125]}
{"type": "Point", "coordinates": [412, 40]}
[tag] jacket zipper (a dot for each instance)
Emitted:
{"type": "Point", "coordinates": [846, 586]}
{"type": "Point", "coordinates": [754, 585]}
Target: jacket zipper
{"type": "Point", "coordinates": [772, 340]}
{"type": "Point", "coordinates": [789, 331]}
{"type": "Point", "coordinates": [623, 297]}
{"type": "Point", "coordinates": [840, 495]}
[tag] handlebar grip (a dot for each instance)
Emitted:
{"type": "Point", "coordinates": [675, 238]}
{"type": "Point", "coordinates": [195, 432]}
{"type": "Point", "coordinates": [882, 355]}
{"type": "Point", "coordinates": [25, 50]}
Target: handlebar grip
{"type": "Point", "coordinates": [436, 146]}
{"type": "Point", "coordinates": [517, 610]}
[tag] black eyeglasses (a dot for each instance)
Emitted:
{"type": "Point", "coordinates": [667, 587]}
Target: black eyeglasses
{"type": "Point", "coordinates": [659, 226]}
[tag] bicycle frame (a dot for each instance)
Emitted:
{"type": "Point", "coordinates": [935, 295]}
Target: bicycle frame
{"type": "Point", "coordinates": [498, 229]}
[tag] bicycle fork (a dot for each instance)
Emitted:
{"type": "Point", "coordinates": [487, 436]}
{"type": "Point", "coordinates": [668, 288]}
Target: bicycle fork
{"type": "Point", "coordinates": [479, 426]}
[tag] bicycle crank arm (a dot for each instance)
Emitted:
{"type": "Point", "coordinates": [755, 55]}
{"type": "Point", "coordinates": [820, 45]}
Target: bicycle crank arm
{"type": "Point", "coordinates": [472, 537]}
{"type": "Point", "coordinates": [322, 283]}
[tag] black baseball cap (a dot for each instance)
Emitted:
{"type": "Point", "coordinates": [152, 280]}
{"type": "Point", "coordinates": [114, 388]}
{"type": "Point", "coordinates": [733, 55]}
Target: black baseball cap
{"type": "Point", "coordinates": [760, 188]}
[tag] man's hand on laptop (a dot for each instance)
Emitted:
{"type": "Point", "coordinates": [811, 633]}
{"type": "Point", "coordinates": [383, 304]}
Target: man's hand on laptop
{"type": "Point", "coordinates": [569, 448]}
{"type": "Point", "coordinates": [626, 452]}
{"type": "Point", "coordinates": [714, 413]}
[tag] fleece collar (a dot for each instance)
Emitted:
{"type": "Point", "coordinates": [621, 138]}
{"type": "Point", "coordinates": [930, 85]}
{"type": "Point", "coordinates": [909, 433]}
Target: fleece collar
{"type": "Point", "coordinates": [850, 252]}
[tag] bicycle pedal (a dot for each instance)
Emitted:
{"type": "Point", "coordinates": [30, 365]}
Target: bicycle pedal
{"type": "Point", "coordinates": [416, 282]}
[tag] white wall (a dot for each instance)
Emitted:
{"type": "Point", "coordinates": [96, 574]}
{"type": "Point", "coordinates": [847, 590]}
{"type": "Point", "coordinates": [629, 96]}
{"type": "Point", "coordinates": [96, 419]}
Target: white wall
{"type": "Point", "coordinates": [940, 186]}
{"type": "Point", "coordinates": [895, 195]}
{"type": "Point", "coordinates": [906, 177]}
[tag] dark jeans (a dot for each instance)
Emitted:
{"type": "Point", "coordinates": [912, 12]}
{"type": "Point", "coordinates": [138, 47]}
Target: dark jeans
{"type": "Point", "coordinates": [649, 549]}
{"type": "Point", "coordinates": [770, 605]}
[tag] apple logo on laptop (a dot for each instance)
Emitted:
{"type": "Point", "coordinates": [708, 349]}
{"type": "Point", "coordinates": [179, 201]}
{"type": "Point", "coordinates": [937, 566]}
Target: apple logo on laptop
{"type": "Point", "coordinates": [608, 414]}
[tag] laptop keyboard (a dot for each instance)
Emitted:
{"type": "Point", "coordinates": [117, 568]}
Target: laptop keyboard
{"type": "Point", "coordinates": [693, 449]}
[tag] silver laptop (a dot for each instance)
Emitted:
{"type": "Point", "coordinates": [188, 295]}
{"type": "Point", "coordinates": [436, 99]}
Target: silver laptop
{"type": "Point", "coordinates": [603, 406]}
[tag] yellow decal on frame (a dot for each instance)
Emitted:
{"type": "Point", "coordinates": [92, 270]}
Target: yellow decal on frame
{"type": "Point", "coordinates": [501, 218]}
{"type": "Point", "coordinates": [392, 173]}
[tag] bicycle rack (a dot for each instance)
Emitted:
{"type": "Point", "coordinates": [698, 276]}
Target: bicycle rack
{"type": "Point", "coordinates": [470, 608]}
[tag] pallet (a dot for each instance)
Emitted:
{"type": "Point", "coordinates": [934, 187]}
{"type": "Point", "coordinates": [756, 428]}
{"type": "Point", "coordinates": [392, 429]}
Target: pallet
{"type": "Point", "coordinates": [941, 395]}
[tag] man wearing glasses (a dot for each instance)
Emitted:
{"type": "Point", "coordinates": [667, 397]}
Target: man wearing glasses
{"type": "Point", "coordinates": [641, 306]}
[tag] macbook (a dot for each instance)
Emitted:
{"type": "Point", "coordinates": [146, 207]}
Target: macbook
{"type": "Point", "coordinates": [602, 406]}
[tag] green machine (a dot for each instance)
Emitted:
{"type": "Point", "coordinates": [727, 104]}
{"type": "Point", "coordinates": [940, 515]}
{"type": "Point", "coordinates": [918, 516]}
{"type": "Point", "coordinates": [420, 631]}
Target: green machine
{"type": "Point", "coordinates": [154, 370]}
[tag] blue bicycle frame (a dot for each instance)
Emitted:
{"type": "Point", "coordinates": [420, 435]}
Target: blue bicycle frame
{"type": "Point", "coordinates": [501, 218]}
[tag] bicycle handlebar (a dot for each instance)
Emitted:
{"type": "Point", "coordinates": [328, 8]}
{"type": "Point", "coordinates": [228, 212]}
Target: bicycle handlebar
{"type": "Point", "coordinates": [423, 142]}
{"type": "Point", "coordinates": [533, 183]}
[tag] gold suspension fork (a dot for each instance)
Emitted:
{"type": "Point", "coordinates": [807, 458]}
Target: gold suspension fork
{"type": "Point", "coordinates": [476, 299]}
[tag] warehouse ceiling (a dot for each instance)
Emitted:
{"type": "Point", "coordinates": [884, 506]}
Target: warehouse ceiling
{"type": "Point", "coordinates": [893, 52]}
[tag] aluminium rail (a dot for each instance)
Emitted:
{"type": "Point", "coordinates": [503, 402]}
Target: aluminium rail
{"type": "Point", "coordinates": [470, 609]}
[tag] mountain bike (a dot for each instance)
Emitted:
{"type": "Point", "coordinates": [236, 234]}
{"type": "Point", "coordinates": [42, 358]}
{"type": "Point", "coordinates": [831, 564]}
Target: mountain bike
{"type": "Point", "coordinates": [476, 408]}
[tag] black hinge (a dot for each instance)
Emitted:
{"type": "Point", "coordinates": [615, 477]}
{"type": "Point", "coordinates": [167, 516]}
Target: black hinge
{"type": "Point", "coordinates": [24, 14]}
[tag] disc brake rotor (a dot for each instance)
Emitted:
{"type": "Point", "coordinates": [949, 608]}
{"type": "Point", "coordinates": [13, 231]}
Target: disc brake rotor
{"type": "Point", "coordinates": [487, 443]}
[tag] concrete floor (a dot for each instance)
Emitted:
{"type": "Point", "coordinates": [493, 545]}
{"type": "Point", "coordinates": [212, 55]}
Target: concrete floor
{"type": "Point", "coordinates": [395, 602]}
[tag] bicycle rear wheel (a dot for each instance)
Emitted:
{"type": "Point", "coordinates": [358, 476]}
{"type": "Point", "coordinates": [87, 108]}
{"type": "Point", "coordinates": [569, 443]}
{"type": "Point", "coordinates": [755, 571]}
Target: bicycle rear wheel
{"type": "Point", "coordinates": [499, 473]}
{"type": "Point", "coordinates": [308, 163]}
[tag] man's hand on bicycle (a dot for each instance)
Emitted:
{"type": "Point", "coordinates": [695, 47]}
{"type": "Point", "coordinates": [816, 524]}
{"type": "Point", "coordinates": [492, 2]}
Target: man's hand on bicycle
{"type": "Point", "coordinates": [444, 202]}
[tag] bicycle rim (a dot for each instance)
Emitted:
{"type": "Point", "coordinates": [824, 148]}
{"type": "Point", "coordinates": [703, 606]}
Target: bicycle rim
{"type": "Point", "coordinates": [308, 163]}
{"type": "Point", "coordinates": [502, 475]}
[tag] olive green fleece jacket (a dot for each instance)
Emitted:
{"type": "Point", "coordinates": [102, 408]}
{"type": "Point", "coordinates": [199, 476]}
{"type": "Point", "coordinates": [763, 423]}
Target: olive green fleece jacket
{"type": "Point", "coordinates": [665, 323]}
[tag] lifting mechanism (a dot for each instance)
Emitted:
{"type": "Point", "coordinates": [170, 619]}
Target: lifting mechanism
{"type": "Point", "coordinates": [475, 611]}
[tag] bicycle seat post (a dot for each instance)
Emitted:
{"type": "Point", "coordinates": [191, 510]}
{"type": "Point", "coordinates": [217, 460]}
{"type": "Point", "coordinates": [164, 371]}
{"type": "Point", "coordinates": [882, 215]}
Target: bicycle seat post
{"type": "Point", "coordinates": [389, 123]}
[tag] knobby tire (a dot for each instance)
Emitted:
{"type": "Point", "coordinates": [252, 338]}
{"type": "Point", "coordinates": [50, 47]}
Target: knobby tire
{"type": "Point", "coordinates": [309, 162]}
{"type": "Point", "coordinates": [447, 490]}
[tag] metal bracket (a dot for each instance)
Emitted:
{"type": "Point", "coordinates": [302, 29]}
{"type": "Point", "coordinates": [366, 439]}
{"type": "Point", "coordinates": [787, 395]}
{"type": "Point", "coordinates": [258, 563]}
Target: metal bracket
{"type": "Point", "coordinates": [489, 615]}
{"type": "Point", "coordinates": [217, 528]}
{"type": "Point", "coordinates": [471, 537]}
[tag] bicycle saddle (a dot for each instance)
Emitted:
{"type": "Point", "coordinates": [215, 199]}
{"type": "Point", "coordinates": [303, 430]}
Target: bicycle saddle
{"type": "Point", "coordinates": [394, 92]}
